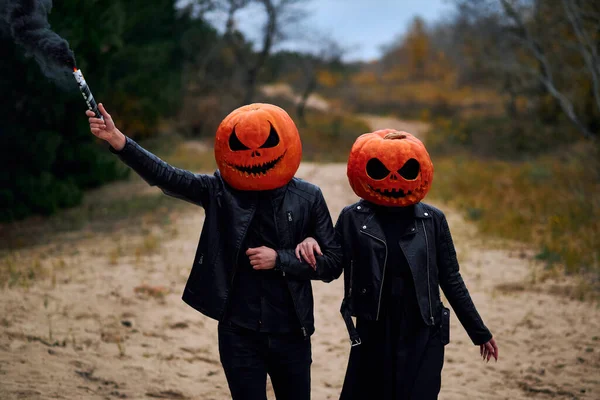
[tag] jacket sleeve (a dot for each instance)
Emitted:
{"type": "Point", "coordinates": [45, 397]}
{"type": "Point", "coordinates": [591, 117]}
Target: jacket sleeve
{"type": "Point", "coordinates": [172, 181]}
{"type": "Point", "coordinates": [345, 259]}
{"type": "Point", "coordinates": [455, 289]}
{"type": "Point", "coordinates": [329, 265]}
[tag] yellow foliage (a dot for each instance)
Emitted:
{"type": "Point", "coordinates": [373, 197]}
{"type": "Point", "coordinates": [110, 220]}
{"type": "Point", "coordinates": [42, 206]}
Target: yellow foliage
{"type": "Point", "coordinates": [364, 78]}
{"type": "Point", "coordinates": [396, 75]}
{"type": "Point", "coordinates": [417, 47]}
{"type": "Point", "coordinates": [328, 78]}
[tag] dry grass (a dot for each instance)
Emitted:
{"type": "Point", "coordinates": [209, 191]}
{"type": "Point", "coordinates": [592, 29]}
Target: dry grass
{"type": "Point", "coordinates": [157, 292]}
{"type": "Point", "coordinates": [150, 244]}
{"type": "Point", "coordinates": [17, 271]}
{"type": "Point", "coordinates": [418, 99]}
{"type": "Point", "coordinates": [109, 208]}
{"type": "Point", "coordinates": [196, 156]}
{"type": "Point", "coordinates": [115, 254]}
{"type": "Point", "coordinates": [552, 201]}
{"type": "Point", "coordinates": [327, 136]}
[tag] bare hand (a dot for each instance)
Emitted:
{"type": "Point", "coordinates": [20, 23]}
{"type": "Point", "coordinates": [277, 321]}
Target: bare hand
{"type": "Point", "coordinates": [488, 350]}
{"type": "Point", "coordinates": [307, 249]}
{"type": "Point", "coordinates": [106, 129]}
{"type": "Point", "coordinates": [262, 257]}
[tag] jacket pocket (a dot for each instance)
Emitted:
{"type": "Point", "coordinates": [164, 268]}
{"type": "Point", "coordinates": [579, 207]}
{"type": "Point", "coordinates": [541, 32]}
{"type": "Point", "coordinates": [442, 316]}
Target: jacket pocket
{"type": "Point", "coordinates": [445, 326]}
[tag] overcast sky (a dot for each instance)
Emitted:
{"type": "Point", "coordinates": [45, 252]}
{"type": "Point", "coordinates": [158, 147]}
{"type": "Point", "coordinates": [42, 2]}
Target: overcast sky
{"type": "Point", "coordinates": [362, 26]}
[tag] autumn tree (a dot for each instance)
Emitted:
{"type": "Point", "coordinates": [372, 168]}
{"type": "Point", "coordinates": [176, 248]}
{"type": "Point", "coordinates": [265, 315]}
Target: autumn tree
{"type": "Point", "coordinates": [410, 55]}
{"type": "Point", "coordinates": [280, 16]}
{"type": "Point", "coordinates": [545, 51]}
{"type": "Point", "coordinates": [317, 69]}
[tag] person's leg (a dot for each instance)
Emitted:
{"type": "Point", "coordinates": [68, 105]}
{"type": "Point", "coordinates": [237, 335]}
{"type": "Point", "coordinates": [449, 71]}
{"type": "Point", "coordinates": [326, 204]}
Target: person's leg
{"type": "Point", "coordinates": [429, 376]}
{"type": "Point", "coordinates": [289, 361]}
{"type": "Point", "coordinates": [366, 365]}
{"type": "Point", "coordinates": [243, 353]}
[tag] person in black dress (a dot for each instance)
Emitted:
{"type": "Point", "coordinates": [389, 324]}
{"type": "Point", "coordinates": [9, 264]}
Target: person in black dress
{"type": "Point", "coordinates": [398, 349]}
{"type": "Point", "coordinates": [397, 252]}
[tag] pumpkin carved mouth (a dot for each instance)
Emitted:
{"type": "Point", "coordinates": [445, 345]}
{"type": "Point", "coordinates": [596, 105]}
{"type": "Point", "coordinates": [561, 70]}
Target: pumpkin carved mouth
{"type": "Point", "coordinates": [393, 193]}
{"type": "Point", "coordinates": [259, 169]}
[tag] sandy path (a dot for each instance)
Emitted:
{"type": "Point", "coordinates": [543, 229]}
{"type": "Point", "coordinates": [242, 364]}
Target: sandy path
{"type": "Point", "coordinates": [284, 90]}
{"type": "Point", "coordinates": [84, 333]}
{"type": "Point", "coordinates": [377, 122]}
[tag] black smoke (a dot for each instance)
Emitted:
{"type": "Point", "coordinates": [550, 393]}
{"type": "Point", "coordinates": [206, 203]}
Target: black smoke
{"type": "Point", "coordinates": [27, 22]}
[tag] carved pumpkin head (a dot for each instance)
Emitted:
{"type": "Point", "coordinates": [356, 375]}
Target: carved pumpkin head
{"type": "Point", "coordinates": [390, 168]}
{"type": "Point", "coordinates": [257, 147]}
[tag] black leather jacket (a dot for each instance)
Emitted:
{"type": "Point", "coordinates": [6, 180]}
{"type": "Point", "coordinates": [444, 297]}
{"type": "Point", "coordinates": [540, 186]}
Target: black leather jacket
{"type": "Point", "coordinates": [428, 247]}
{"type": "Point", "coordinates": [228, 213]}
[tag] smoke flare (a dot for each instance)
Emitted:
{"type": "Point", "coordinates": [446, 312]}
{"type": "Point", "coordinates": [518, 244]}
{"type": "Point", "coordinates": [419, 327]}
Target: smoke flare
{"type": "Point", "coordinates": [29, 26]}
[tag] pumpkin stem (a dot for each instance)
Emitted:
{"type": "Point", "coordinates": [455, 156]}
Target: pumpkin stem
{"type": "Point", "coordinates": [395, 135]}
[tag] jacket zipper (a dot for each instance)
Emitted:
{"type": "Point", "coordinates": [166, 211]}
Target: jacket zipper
{"type": "Point", "coordinates": [384, 267]}
{"type": "Point", "coordinates": [290, 219]}
{"type": "Point", "coordinates": [197, 265]}
{"type": "Point", "coordinates": [235, 266]}
{"type": "Point", "coordinates": [428, 281]}
{"type": "Point", "coordinates": [351, 277]}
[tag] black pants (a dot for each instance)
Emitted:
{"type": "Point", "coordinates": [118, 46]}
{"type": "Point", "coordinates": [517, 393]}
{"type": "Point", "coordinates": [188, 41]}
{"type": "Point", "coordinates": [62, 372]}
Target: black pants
{"type": "Point", "coordinates": [248, 356]}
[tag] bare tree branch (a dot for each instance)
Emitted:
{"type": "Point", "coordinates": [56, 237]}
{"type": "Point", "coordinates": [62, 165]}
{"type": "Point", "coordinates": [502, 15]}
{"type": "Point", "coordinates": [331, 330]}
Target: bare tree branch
{"type": "Point", "coordinates": [276, 12]}
{"type": "Point", "coordinates": [198, 7]}
{"type": "Point", "coordinates": [546, 76]}
{"type": "Point", "coordinates": [329, 52]}
{"type": "Point", "coordinates": [587, 48]}
{"type": "Point", "coordinates": [231, 35]}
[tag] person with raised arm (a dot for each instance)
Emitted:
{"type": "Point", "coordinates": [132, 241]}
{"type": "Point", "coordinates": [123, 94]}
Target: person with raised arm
{"type": "Point", "coordinates": [245, 274]}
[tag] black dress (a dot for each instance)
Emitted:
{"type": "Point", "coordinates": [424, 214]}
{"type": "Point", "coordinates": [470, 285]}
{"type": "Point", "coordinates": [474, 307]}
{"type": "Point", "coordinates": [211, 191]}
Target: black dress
{"type": "Point", "coordinates": [400, 357]}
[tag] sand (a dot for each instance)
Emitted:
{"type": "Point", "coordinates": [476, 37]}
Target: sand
{"type": "Point", "coordinates": [109, 323]}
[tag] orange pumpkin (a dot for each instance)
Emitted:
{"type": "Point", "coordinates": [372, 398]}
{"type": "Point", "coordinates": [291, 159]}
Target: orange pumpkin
{"type": "Point", "coordinates": [257, 147]}
{"type": "Point", "coordinates": [390, 168]}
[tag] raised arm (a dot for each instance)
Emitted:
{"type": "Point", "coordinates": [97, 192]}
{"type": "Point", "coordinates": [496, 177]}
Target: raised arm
{"type": "Point", "coordinates": [327, 266]}
{"type": "Point", "coordinates": [172, 181]}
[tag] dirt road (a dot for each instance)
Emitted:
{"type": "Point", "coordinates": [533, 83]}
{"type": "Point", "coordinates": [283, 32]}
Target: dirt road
{"type": "Point", "coordinates": [108, 322]}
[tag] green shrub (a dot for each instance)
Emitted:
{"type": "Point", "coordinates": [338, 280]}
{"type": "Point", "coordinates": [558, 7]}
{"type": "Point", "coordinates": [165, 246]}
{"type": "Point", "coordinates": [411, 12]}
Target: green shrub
{"type": "Point", "coordinates": [132, 54]}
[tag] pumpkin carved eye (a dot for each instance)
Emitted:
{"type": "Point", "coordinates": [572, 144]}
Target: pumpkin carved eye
{"type": "Point", "coordinates": [410, 170]}
{"type": "Point", "coordinates": [376, 170]}
{"type": "Point", "coordinates": [235, 144]}
{"type": "Point", "coordinates": [272, 140]}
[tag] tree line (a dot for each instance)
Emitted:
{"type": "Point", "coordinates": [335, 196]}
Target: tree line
{"type": "Point", "coordinates": [149, 62]}
{"type": "Point", "coordinates": [520, 72]}
{"type": "Point", "coordinates": [528, 70]}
